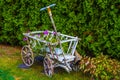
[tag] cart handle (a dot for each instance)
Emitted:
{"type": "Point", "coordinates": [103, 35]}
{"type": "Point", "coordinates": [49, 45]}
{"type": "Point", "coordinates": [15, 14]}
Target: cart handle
{"type": "Point", "coordinates": [47, 7]}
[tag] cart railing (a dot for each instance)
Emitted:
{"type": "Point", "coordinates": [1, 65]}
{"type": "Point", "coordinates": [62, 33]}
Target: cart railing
{"type": "Point", "coordinates": [36, 35]}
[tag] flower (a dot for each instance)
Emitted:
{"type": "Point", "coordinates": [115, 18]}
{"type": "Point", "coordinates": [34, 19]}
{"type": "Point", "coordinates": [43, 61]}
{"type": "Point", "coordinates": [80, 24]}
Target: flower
{"type": "Point", "coordinates": [45, 32]}
{"type": "Point", "coordinates": [38, 35]}
{"type": "Point", "coordinates": [25, 39]}
{"type": "Point", "coordinates": [54, 33]}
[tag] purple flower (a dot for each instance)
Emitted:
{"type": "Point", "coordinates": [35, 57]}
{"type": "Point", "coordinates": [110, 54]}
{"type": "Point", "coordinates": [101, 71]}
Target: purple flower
{"type": "Point", "coordinates": [45, 32]}
{"type": "Point", "coordinates": [54, 33]}
{"type": "Point", "coordinates": [38, 35]}
{"type": "Point", "coordinates": [25, 39]}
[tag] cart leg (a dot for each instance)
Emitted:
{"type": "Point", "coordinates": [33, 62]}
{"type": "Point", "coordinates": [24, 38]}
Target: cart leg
{"type": "Point", "coordinates": [76, 65]}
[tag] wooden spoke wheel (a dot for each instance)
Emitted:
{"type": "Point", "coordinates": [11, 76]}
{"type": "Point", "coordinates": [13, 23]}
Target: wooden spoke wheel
{"type": "Point", "coordinates": [48, 67]}
{"type": "Point", "coordinates": [76, 66]}
{"type": "Point", "coordinates": [27, 55]}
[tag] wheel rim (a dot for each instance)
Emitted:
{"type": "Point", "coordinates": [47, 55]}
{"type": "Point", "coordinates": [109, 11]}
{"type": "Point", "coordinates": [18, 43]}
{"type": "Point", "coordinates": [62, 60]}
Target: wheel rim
{"type": "Point", "coordinates": [27, 56]}
{"type": "Point", "coordinates": [48, 67]}
{"type": "Point", "coordinates": [76, 67]}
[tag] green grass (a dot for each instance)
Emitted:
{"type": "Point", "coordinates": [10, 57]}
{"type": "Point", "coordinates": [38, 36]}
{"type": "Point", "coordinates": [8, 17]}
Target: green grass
{"type": "Point", "coordinates": [9, 63]}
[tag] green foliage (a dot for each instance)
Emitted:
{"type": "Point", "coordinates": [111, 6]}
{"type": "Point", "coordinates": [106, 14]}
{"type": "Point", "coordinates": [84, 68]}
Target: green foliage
{"type": "Point", "coordinates": [95, 21]}
{"type": "Point", "coordinates": [5, 75]}
{"type": "Point", "coordinates": [101, 67]}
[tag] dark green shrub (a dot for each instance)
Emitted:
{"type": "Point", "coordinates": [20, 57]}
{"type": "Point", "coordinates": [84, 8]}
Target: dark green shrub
{"type": "Point", "coordinates": [95, 21]}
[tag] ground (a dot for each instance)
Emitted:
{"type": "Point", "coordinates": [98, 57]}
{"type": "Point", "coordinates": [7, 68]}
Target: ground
{"type": "Point", "coordinates": [10, 59]}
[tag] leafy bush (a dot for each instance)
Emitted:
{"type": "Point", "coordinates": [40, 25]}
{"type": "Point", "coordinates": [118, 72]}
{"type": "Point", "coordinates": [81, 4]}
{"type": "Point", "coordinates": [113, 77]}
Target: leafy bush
{"type": "Point", "coordinates": [101, 67]}
{"type": "Point", "coordinates": [95, 21]}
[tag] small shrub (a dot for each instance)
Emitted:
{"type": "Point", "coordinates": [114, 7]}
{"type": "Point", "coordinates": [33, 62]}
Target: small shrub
{"type": "Point", "coordinates": [101, 67]}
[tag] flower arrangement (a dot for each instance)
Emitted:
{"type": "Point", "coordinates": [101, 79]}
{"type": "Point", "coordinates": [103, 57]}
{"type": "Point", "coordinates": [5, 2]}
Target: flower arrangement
{"type": "Point", "coordinates": [49, 37]}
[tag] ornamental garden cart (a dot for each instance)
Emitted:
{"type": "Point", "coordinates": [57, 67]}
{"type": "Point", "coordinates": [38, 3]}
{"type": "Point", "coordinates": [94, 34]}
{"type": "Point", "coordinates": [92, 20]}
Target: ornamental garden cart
{"type": "Point", "coordinates": [57, 49]}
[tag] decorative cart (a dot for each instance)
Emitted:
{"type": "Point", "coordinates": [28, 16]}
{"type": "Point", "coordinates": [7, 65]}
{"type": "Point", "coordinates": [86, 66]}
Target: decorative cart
{"type": "Point", "coordinates": [56, 48]}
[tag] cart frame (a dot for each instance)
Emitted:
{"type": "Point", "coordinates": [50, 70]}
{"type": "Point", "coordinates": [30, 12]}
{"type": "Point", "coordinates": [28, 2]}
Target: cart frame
{"type": "Point", "coordinates": [55, 55]}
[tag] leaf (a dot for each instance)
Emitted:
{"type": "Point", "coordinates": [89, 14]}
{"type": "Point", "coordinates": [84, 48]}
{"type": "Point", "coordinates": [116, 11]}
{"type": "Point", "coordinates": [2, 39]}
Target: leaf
{"type": "Point", "coordinates": [108, 44]}
{"type": "Point", "coordinates": [89, 38]}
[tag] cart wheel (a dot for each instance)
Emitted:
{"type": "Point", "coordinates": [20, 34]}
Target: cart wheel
{"type": "Point", "coordinates": [76, 67]}
{"type": "Point", "coordinates": [48, 67]}
{"type": "Point", "coordinates": [27, 55]}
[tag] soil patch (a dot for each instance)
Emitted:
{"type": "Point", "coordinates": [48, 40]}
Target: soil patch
{"type": "Point", "coordinates": [6, 49]}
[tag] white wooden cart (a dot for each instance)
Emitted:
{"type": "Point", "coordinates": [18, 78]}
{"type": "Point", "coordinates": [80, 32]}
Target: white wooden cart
{"type": "Point", "coordinates": [50, 45]}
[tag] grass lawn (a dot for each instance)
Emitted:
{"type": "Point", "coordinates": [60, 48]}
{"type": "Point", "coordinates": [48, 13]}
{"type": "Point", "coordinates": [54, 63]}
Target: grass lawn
{"type": "Point", "coordinates": [10, 59]}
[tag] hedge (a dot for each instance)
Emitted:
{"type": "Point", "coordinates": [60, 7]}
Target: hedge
{"type": "Point", "coordinates": [96, 22]}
